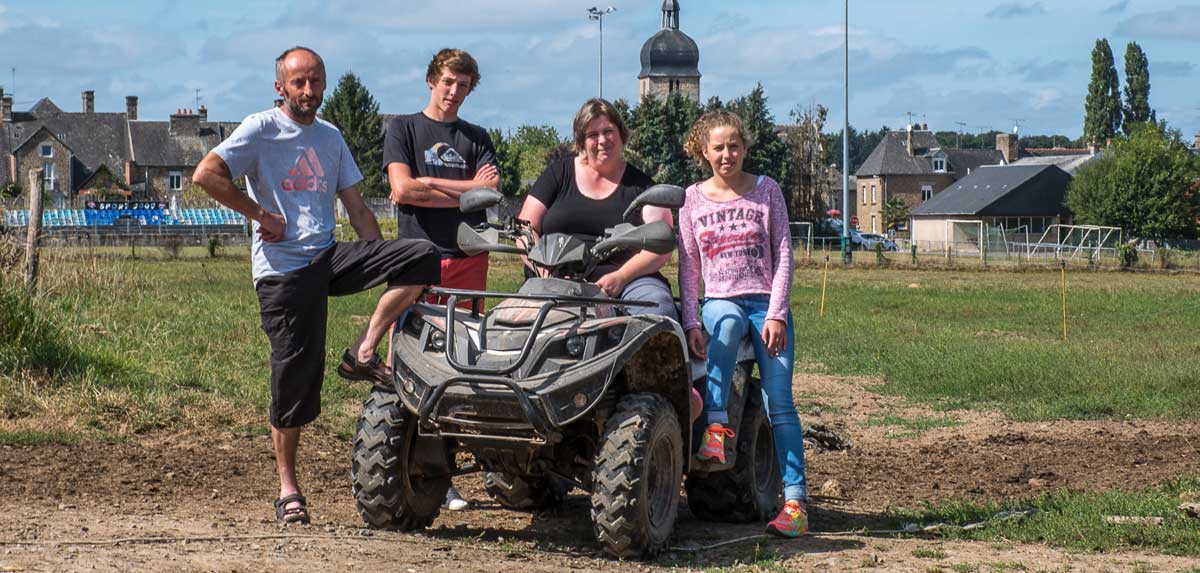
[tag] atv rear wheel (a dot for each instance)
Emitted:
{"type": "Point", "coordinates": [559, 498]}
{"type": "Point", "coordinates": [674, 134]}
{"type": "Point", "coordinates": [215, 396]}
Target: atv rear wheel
{"type": "Point", "coordinates": [523, 493]}
{"type": "Point", "coordinates": [749, 491]}
{"type": "Point", "coordinates": [638, 467]}
{"type": "Point", "coordinates": [388, 492]}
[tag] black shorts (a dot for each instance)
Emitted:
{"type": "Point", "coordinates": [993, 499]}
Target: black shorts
{"type": "Point", "coordinates": [293, 309]}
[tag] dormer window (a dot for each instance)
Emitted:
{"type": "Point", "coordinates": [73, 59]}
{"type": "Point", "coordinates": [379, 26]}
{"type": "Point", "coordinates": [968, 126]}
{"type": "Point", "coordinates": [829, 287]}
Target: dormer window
{"type": "Point", "coordinates": [939, 164]}
{"type": "Point", "coordinates": [47, 150]}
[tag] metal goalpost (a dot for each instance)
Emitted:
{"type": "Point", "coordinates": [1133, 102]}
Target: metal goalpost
{"type": "Point", "coordinates": [956, 228]}
{"type": "Point", "coordinates": [803, 231]}
{"type": "Point", "coordinates": [1075, 240]}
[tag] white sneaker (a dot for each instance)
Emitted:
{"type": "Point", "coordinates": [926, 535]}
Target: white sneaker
{"type": "Point", "coordinates": [454, 501]}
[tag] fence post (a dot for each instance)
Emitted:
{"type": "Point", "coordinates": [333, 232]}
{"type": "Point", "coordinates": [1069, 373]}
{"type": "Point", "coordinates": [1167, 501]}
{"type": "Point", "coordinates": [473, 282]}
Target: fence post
{"type": "Point", "coordinates": [34, 231]}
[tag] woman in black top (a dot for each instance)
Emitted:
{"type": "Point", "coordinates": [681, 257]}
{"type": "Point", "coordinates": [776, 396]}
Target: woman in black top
{"type": "Point", "coordinates": [587, 193]}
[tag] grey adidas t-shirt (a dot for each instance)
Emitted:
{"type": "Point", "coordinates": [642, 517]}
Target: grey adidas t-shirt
{"type": "Point", "coordinates": [296, 170]}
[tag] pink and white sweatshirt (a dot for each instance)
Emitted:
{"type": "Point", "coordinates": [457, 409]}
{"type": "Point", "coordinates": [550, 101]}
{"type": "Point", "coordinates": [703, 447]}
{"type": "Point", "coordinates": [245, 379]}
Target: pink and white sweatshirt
{"type": "Point", "coordinates": [739, 247]}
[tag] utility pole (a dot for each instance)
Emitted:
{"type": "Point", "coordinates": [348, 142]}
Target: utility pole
{"type": "Point", "coordinates": [847, 256]}
{"type": "Point", "coordinates": [597, 14]}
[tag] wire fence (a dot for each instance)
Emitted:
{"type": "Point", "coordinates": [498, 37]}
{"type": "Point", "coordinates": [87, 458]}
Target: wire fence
{"type": "Point", "coordinates": [1181, 255]}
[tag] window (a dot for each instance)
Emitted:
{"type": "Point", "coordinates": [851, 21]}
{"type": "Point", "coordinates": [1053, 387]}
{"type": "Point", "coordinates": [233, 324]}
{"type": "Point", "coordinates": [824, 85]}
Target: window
{"type": "Point", "coordinates": [47, 150]}
{"type": "Point", "coordinates": [926, 192]}
{"type": "Point", "coordinates": [864, 195]}
{"type": "Point", "coordinates": [874, 224]}
{"type": "Point", "coordinates": [939, 164]}
{"type": "Point", "coordinates": [175, 181]}
{"type": "Point", "coordinates": [48, 176]}
{"type": "Point", "coordinates": [873, 198]}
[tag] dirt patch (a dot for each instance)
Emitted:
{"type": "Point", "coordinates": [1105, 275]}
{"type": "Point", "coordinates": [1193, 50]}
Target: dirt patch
{"type": "Point", "coordinates": [211, 493]}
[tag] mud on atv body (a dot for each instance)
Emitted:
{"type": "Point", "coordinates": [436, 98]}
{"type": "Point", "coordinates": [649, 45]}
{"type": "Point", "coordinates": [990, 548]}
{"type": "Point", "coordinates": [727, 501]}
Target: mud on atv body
{"type": "Point", "coordinates": [552, 389]}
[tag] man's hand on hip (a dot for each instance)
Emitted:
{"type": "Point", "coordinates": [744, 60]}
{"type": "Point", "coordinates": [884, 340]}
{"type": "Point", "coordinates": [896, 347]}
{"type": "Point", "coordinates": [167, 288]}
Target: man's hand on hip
{"type": "Point", "coordinates": [271, 227]}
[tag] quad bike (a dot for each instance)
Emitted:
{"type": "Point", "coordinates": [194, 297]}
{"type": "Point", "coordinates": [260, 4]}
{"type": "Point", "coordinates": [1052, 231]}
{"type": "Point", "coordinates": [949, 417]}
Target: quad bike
{"type": "Point", "coordinates": [558, 387]}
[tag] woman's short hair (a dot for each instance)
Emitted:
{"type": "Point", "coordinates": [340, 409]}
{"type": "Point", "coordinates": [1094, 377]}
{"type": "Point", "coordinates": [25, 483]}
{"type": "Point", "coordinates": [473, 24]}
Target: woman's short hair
{"type": "Point", "coordinates": [697, 137]}
{"type": "Point", "coordinates": [593, 109]}
{"type": "Point", "coordinates": [456, 61]}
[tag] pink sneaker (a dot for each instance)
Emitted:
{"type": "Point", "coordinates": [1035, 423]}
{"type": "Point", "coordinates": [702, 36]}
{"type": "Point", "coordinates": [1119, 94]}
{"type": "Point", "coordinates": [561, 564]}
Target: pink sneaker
{"type": "Point", "coordinates": [792, 521]}
{"type": "Point", "coordinates": [714, 443]}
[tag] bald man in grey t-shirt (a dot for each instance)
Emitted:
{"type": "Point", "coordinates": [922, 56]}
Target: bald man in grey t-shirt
{"type": "Point", "coordinates": [296, 166]}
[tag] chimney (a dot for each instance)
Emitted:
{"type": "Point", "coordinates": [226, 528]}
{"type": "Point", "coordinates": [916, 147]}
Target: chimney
{"type": "Point", "coordinates": [278, 102]}
{"type": "Point", "coordinates": [203, 113]}
{"type": "Point", "coordinates": [184, 123]}
{"type": "Point", "coordinates": [89, 101]}
{"type": "Point", "coordinates": [131, 108]}
{"type": "Point", "coordinates": [909, 142]}
{"type": "Point", "coordinates": [1009, 146]}
{"type": "Point", "coordinates": [130, 168]}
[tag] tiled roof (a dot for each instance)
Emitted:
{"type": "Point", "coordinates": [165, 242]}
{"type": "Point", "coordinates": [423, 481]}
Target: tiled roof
{"type": "Point", "coordinates": [891, 156]}
{"type": "Point", "coordinates": [1069, 163]}
{"type": "Point", "coordinates": [1002, 190]}
{"type": "Point", "coordinates": [966, 161]}
{"type": "Point", "coordinates": [155, 146]}
{"type": "Point", "coordinates": [94, 138]}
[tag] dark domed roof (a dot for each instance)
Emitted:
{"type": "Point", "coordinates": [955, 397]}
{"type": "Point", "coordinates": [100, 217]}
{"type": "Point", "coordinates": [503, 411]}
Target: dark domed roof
{"type": "Point", "coordinates": [670, 53]}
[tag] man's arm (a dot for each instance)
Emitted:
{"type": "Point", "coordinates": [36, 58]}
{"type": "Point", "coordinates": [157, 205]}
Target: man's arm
{"type": "Point", "coordinates": [361, 217]}
{"type": "Point", "coordinates": [214, 177]}
{"type": "Point", "coordinates": [488, 176]}
{"type": "Point", "coordinates": [409, 190]}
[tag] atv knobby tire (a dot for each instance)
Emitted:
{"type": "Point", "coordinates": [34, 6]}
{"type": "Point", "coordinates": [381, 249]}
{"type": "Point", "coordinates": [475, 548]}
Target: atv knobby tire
{"type": "Point", "coordinates": [524, 493]}
{"type": "Point", "coordinates": [638, 468]}
{"type": "Point", "coordinates": [386, 492]}
{"type": "Point", "coordinates": [750, 491]}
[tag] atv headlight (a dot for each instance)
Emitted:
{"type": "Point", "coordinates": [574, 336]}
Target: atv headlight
{"type": "Point", "coordinates": [437, 340]}
{"type": "Point", "coordinates": [575, 346]}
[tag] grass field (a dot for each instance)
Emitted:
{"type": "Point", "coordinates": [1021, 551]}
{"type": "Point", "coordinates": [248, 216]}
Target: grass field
{"type": "Point", "coordinates": [128, 345]}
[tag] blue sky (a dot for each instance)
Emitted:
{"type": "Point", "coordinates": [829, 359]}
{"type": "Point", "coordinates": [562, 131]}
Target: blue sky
{"type": "Point", "coordinates": [984, 63]}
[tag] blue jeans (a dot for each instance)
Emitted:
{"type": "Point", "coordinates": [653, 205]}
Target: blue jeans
{"type": "Point", "coordinates": [728, 320]}
{"type": "Point", "coordinates": [651, 289]}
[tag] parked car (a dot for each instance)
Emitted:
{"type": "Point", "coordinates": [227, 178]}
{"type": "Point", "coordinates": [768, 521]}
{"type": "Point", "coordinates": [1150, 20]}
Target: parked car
{"type": "Point", "coordinates": [868, 241]}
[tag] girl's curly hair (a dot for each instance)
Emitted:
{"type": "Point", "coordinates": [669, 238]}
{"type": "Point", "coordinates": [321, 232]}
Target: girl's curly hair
{"type": "Point", "coordinates": [697, 137]}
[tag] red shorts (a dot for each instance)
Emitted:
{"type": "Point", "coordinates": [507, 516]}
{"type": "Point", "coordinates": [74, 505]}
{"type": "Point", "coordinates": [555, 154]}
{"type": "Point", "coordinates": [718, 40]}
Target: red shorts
{"type": "Point", "coordinates": [468, 273]}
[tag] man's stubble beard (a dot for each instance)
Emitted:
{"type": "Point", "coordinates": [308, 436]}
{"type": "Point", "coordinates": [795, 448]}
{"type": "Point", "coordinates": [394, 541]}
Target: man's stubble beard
{"type": "Point", "coordinates": [293, 105]}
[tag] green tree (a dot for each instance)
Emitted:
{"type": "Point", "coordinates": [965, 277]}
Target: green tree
{"type": "Point", "coordinates": [1102, 107]}
{"type": "Point", "coordinates": [769, 154]}
{"type": "Point", "coordinates": [508, 161]}
{"type": "Point", "coordinates": [895, 213]}
{"type": "Point", "coordinates": [1145, 184]}
{"type": "Point", "coordinates": [1137, 88]}
{"type": "Point", "coordinates": [533, 145]}
{"type": "Point", "coordinates": [356, 113]}
{"type": "Point", "coordinates": [656, 144]}
{"type": "Point", "coordinates": [862, 143]}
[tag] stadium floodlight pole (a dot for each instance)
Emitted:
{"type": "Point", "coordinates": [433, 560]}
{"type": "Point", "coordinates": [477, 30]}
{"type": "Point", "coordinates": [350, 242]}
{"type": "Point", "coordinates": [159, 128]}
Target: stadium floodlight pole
{"type": "Point", "coordinates": [597, 14]}
{"type": "Point", "coordinates": [846, 254]}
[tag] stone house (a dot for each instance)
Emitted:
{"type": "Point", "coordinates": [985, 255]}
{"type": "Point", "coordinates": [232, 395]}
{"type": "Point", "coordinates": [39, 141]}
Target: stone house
{"type": "Point", "coordinates": [912, 165]}
{"type": "Point", "coordinates": [90, 154]}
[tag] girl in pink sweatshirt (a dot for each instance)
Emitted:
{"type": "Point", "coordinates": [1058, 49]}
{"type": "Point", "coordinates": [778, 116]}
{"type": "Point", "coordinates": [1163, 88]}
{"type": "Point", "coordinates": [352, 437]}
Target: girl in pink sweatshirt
{"type": "Point", "coordinates": [733, 233]}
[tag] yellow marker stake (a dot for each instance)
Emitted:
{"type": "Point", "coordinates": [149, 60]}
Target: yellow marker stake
{"type": "Point", "coordinates": [1064, 298]}
{"type": "Point", "coordinates": [824, 282]}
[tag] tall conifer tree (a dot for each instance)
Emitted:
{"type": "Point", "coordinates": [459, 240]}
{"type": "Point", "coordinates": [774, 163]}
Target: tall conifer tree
{"type": "Point", "coordinates": [1137, 88]}
{"type": "Point", "coordinates": [1102, 108]}
{"type": "Point", "coordinates": [356, 113]}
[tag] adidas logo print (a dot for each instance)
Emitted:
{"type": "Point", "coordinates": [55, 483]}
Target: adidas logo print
{"type": "Point", "coordinates": [307, 174]}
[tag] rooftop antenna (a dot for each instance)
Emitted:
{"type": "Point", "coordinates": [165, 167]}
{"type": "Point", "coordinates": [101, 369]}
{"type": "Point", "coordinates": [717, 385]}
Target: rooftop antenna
{"type": "Point", "coordinates": [982, 130]}
{"type": "Point", "coordinates": [196, 96]}
{"type": "Point", "coordinates": [13, 87]}
{"type": "Point", "coordinates": [910, 116]}
{"type": "Point", "coordinates": [962, 125]}
{"type": "Point", "coordinates": [1017, 125]}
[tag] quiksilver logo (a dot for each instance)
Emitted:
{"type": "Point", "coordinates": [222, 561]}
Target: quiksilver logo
{"type": "Point", "coordinates": [307, 174]}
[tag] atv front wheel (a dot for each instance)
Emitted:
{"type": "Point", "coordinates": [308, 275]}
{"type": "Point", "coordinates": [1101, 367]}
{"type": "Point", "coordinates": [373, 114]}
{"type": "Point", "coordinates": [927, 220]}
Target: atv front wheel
{"type": "Point", "coordinates": [749, 491]}
{"type": "Point", "coordinates": [638, 467]}
{"type": "Point", "coordinates": [523, 493]}
{"type": "Point", "coordinates": [387, 489]}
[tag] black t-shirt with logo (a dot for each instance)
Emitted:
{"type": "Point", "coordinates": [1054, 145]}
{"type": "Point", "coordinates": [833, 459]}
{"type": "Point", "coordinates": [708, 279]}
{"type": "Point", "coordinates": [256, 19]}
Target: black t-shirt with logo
{"type": "Point", "coordinates": [570, 211]}
{"type": "Point", "coordinates": [445, 150]}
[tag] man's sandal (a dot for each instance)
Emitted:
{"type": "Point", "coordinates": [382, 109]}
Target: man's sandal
{"type": "Point", "coordinates": [297, 514]}
{"type": "Point", "coordinates": [374, 369]}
